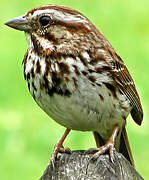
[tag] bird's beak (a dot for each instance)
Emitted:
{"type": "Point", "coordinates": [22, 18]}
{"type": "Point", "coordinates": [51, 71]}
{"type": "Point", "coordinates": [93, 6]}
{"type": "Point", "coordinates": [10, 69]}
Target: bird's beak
{"type": "Point", "coordinates": [19, 23]}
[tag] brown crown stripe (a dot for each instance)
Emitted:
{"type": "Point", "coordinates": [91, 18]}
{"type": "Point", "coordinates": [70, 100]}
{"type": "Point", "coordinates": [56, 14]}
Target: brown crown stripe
{"type": "Point", "coordinates": [56, 7]}
{"type": "Point", "coordinates": [80, 26]}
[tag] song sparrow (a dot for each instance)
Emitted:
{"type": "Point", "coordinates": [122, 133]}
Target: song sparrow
{"type": "Point", "coordinates": [77, 78]}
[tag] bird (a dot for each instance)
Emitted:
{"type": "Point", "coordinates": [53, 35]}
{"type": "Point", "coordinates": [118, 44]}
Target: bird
{"type": "Point", "coordinates": [77, 78]}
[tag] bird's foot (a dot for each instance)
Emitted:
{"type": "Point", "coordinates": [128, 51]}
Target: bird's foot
{"type": "Point", "coordinates": [59, 148]}
{"type": "Point", "coordinates": [109, 146]}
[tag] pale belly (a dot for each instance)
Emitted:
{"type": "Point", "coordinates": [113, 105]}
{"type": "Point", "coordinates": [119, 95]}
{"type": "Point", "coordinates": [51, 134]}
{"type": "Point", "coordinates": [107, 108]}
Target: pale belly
{"type": "Point", "coordinates": [88, 108]}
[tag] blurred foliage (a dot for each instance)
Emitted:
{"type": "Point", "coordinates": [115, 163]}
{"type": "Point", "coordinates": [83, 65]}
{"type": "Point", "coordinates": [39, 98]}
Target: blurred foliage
{"type": "Point", "coordinates": [27, 135]}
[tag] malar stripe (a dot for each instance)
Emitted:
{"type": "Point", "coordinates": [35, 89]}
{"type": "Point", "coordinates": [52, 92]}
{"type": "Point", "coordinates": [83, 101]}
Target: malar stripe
{"type": "Point", "coordinates": [50, 37]}
{"type": "Point", "coordinates": [37, 47]}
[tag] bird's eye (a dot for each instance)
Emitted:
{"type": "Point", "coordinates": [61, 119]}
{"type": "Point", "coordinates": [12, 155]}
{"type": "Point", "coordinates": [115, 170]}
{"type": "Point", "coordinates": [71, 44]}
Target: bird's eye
{"type": "Point", "coordinates": [45, 20]}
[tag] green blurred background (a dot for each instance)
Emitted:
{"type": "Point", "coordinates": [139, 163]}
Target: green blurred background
{"type": "Point", "coordinates": [27, 135]}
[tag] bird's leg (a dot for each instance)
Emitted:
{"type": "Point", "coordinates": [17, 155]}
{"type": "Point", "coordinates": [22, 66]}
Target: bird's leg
{"type": "Point", "coordinates": [59, 147]}
{"type": "Point", "coordinates": [109, 145]}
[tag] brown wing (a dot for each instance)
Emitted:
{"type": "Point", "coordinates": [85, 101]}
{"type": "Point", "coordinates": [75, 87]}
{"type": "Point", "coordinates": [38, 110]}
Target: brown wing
{"type": "Point", "coordinates": [124, 81]}
{"type": "Point", "coordinates": [126, 85]}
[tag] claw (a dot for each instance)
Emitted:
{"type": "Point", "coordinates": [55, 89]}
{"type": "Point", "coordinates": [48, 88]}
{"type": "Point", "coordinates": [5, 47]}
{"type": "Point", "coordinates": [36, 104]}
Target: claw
{"type": "Point", "coordinates": [107, 147]}
{"type": "Point", "coordinates": [59, 148]}
{"type": "Point", "coordinates": [65, 150]}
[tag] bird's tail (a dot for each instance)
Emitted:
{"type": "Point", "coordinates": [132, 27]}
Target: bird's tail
{"type": "Point", "coordinates": [124, 147]}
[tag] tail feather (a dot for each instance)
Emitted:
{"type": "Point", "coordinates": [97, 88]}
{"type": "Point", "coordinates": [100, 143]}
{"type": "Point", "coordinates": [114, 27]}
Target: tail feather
{"type": "Point", "coordinates": [125, 147]}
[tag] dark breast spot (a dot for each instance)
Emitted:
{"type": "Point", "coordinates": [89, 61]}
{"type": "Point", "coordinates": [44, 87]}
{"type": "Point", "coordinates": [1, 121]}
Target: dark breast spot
{"type": "Point", "coordinates": [101, 97]}
{"type": "Point", "coordinates": [24, 76]}
{"type": "Point", "coordinates": [33, 86]}
{"type": "Point", "coordinates": [64, 68]}
{"type": "Point", "coordinates": [83, 60]}
{"type": "Point", "coordinates": [94, 61]}
{"type": "Point", "coordinates": [103, 69]}
{"type": "Point", "coordinates": [84, 73]}
{"type": "Point", "coordinates": [55, 79]}
{"type": "Point", "coordinates": [32, 73]}
{"type": "Point", "coordinates": [111, 88]}
{"type": "Point", "coordinates": [38, 67]}
{"type": "Point", "coordinates": [76, 70]}
{"type": "Point", "coordinates": [28, 86]}
{"type": "Point", "coordinates": [57, 87]}
{"type": "Point", "coordinates": [75, 82]}
{"type": "Point", "coordinates": [28, 76]}
{"type": "Point", "coordinates": [91, 70]}
{"type": "Point", "coordinates": [92, 78]}
{"type": "Point", "coordinates": [47, 67]}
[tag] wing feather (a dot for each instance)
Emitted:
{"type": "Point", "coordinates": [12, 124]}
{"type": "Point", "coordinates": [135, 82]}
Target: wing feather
{"type": "Point", "coordinates": [123, 79]}
{"type": "Point", "coordinates": [127, 86]}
